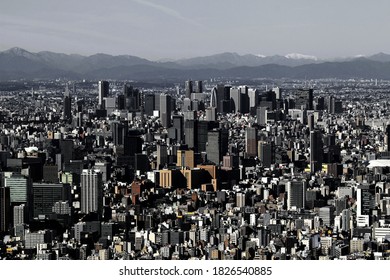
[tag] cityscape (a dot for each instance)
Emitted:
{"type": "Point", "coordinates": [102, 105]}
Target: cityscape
{"type": "Point", "coordinates": [203, 169]}
{"type": "Point", "coordinates": [181, 130]}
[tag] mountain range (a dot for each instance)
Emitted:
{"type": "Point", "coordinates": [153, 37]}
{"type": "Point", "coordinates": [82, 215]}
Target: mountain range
{"type": "Point", "coordinates": [17, 63]}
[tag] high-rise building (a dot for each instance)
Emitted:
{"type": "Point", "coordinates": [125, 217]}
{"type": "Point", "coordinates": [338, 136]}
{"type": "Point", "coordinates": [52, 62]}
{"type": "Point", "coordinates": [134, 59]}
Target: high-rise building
{"type": "Point", "coordinates": [211, 114]}
{"type": "Point", "coordinates": [5, 209]}
{"type": "Point", "coordinates": [296, 194]}
{"type": "Point", "coordinates": [20, 188]}
{"type": "Point", "coordinates": [261, 113]}
{"type": "Point", "coordinates": [132, 97]}
{"type": "Point", "coordinates": [149, 100]}
{"type": "Point", "coordinates": [67, 114]}
{"type": "Point", "coordinates": [19, 215]}
{"type": "Point", "coordinates": [223, 99]}
{"type": "Point", "coordinates": [165, 110]}
{"type": "Point", "coordinates": [162, 155]}
{"type": "Point", "coordinates": [185, 159]}
{"type": "Point", "coordinates": [217, 145]}
{"type": "Point", "coordinates": [178, 125]}
{"type": "Point", "coordinates": [44, 196]}
{"type": "Point", "coordinates": [235, 97]}
{"type": "Point", "coordinates": [266, 153]}
{"type": "Point", "coordinates": [188, 88]}
{"type": "Point", "coordinates": [103, 90]}
{"type": "Point", "coordinates": [191, 133]}
{"type": "Point", "coordinates": [253, 95]}
{"type": "Point", "coordinates": [214, 98]}
{"type": "Point", "coordinates": [240, 199]}
{"type": "Point", "coordinates": [239, 99]}
{"type": "Point", "coordinates": [91, 191]}
{"type": "Point", "coordinates": [119, 132]}
{"type": "Point", "coordinates": [304, 99]}
{"type": "Point", "coordinates": [251, 141]}
{"type": "Point", "coordinates": [198, 86]}
{"type": "Point", "coordinates": [365, 201]}
{"type": "Point", "coordinates": [316, 151]}
{"type": "Point", "coordinates": [278, 93]}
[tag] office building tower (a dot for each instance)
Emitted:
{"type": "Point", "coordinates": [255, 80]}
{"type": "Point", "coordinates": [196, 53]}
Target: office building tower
{"type": "Point", "coordinates": [162, 155]}
{"type": "Point", "coordinates": [261, 113]}
{"type": "Point", "coordinates": [235, 97]}
{"type": "Point", "coordinates": [188, 89]}
{"type": "Point", "coordinates": [253, 95]}
{"type": "Point", "coordinates": [178, 126]}
{"type": "Point", "coordinates": [311, 122]}
{"type": "Point", "coordinates": [103, 90]}
{"type": "Point", "coordinates": [365, 200]}
{"type": "Point", "coordinates": [185, 159]}
{"type": "Point", "coordinates": [326, 214]}
{"type": "Point", "coordinates": [133, 145]}
{"type": "Point", "coordinates": [44, 196]}
{"type": "Point", "coordinates": [149, 104]}
{"type": "Point", "coordinates": [165, 110]}
{"type": "Point", "coordinates": [214, 98]}
{"type": "Point", "coordinates": [119, 132]}
{"type": "Point", "coordinates": [304, 99]}
{"type": "Point", "coordinates": [211, 114]}
{"type": "Point", "coordinates": [266, 153]}
{"type": "Point", "coordinates": [217, 145]}
{"type": "Point", "coordinates": [239, 99]}
{"type": "Point", "coordinates": [198, 86]}
{"type": "Point", "coordinates": [20, 188]}
{"type": "Point", "coordinates": [278, 93]}
{"type": "Point", "coordinates": [251, 141]}
{"type": "Point", "coordinates": [91, 191]}
{"type": "Point", "coordinates": [345, 220]}
{"type": "Point", "coordinates": [316, 151]}
{"type": "Point", "coordinates": [191, 133]}
{"type": "Point", "coordinates": [5, 209]}
{"type": "Point", "coordinates": [203, 127]}
{"type": "Point", "coordinates": [133, 98]}
{"type": "Point", "coordinates": [240, 199]}
{"type": "Point", "coordinates": [187, 105]}
{"type": "Point", "coordinates": [223, 99]}
{"type": "Point", "coordinates": [296, 195]}
{"type": "Point", "coordinates": [19, 216]}
{"type": "Point", "coordinates": [120, 102]}
{"type": "Point", "coordinates": [67, 114]}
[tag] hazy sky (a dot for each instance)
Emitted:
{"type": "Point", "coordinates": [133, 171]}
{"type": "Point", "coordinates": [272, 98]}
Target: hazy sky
{"type": "Point", "coordinates": [186, 28]}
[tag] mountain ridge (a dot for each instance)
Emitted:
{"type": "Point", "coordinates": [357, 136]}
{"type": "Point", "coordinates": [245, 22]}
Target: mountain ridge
{"type": "Point", "coordinates": [18, 63]}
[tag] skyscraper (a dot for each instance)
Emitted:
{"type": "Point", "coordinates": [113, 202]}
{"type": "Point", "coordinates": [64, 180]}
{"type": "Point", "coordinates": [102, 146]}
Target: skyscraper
{"type": "Point", "coordinates": [91, 191]}
{"type": "Point", "coordinates": [188, 88]}
{"type": "Point", "coordinates": [5, 208]}
{"type": "Point", "coordinates": [213, 98]}
{"type": "Point", "coordinates": [304, 99]}
{"type": "Point", "coordinates": [388, 137]}
{"type": "Point", "coordinates": [217, 145]}
{"type": "Point", "coordinates": [165, 110]}
{"type": "Point", "coordinates": [67, 114]}
{"type": "Point", "coordinates": [44, 196]}
{"type": "Point", "coordinates": [19, 186]}
{"type": "Point", "coordinates": [132, 97]}
{"type": "Point", "coordinates": [266, 153]}
{"type": "Point", "coordinates": [103, 90]}
{"type": "Point", "coordinates": [296, 194]}
{"type": "Point", "coordinates": [198, 86]}
{"type": "Point", "coordinates": [251, 141]}
{"type": "Point", "coordinates": [119, 132]}
{"type": "Point", "coordinates": [316, 150]}
{"type": "Point", "coordinates": [162, 155]}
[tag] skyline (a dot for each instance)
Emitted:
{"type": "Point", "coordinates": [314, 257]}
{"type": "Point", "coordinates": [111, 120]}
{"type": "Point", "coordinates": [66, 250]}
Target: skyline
{"type": "Point", "coordinates": [176, 30]}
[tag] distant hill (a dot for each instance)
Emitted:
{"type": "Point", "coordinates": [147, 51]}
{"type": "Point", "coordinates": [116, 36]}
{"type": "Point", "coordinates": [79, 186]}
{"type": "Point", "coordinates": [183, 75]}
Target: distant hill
{"type": "Point", "coordinates": [17, 63]}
